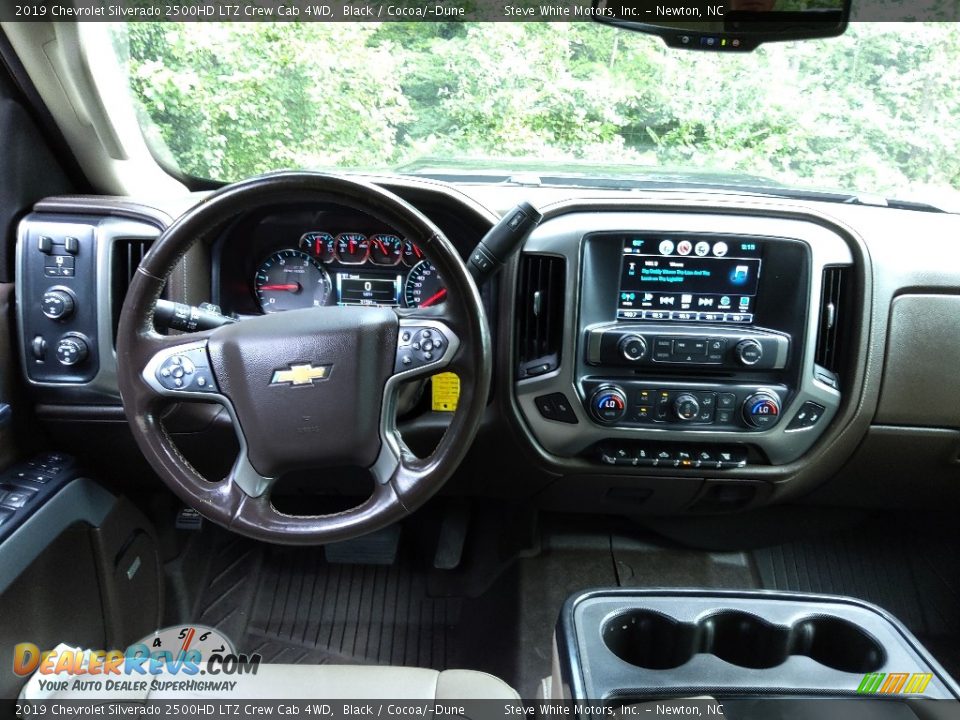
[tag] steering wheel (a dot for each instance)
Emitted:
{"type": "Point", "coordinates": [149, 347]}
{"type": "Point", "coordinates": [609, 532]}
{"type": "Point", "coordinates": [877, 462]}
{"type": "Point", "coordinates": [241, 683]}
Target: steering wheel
{"type": "Point", "coordinates": [306, 389]}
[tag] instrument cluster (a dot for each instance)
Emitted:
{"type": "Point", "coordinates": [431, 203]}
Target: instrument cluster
{"type": "Point", "coordinates": [346, 268]}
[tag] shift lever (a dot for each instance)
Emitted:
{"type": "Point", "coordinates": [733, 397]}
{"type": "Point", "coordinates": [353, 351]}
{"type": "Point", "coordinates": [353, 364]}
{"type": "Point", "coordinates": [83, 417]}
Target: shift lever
{"type": "Point", "coordinates": [502, 241]}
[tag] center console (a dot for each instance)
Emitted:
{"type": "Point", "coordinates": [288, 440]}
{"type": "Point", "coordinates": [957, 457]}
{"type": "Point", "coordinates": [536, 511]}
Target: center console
{"type": "Point", "coordinates": [624, 646]}
{"type": "Point", "coordinates": [689, 342]}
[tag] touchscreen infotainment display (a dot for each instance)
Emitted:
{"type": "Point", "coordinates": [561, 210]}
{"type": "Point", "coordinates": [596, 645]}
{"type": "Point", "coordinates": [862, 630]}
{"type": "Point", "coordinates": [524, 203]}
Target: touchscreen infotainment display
{"type": "Point", "coordinates": [689, 279]}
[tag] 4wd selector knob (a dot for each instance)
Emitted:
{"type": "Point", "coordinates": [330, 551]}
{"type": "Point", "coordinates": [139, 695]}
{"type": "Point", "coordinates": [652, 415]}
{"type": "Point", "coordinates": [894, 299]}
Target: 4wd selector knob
{"type": "Point", "coordinates": [633, 347]}
{"type": "Point", "coordinates": [686, 406]}
{"type": "Point", "coordinates": [748, 352]}
{"type": "Point", "coordinates": [71, 349]}
{"type": "Point", "coordinates": [57, 304]}
{"type": "Point", "coordinates": [761, 410]}
{"type": "Point", "coordinates": [608, 404]}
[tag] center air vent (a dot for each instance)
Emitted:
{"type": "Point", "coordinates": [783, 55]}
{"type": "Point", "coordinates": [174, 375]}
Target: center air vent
{"type": "Point", "coordinates": [540, 308]}
{"type": "Point", "coordinates": [125, 256]}
{"type": "Point", "coordinates": [834, 322]}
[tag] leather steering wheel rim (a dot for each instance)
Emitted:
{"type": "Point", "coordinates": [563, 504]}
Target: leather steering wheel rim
{"type": "Point", "coordinates": [241, 501]}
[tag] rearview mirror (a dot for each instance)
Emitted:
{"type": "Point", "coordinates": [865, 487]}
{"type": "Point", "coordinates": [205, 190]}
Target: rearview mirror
{"type": "Point", "coordinates": [726, 25]}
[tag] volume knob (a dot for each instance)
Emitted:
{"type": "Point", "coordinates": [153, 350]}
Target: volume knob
{"type": "Point", "coordinates": [608, 404]}
{"type": "Point", "coordinates": [633, 347]}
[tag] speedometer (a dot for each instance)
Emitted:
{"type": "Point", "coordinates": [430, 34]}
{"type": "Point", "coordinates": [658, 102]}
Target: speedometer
{"type": "Point", "coordinates": [289, 280]}
{"type": "Point", "coordinates": [423, 286]}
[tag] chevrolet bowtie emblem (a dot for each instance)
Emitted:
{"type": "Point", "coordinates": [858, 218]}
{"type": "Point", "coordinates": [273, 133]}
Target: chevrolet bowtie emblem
{"type": "Point", "coordinates": [305, 374]}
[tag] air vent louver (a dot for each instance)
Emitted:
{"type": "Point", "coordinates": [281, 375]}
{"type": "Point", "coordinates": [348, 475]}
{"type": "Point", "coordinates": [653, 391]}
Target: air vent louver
{"type": "Point", "coordinates": [126, 255]}
{"type": "Point", "coordinates": [540, 307]}
{"type": "Point", "coordinates": [834, 322]}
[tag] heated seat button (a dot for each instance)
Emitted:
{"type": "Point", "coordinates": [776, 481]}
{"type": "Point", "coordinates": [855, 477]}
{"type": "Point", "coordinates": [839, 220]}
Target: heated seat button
{"type": "Point", "coordinates": [556, 407]}
{"type": "Point", "coordinates": [807, 416]}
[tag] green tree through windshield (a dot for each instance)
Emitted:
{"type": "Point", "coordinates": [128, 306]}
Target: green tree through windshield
{"type": "Point", "coordinates": [877, 109]}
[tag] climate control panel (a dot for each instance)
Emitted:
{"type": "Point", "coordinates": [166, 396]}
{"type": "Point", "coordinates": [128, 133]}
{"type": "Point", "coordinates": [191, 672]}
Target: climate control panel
{"type": "Point", "coordinates": [644, 403]}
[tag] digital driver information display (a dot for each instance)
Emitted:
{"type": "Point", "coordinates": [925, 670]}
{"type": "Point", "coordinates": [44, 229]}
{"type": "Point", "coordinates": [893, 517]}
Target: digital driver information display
{"type": "Point", "coordinates": [688, 279]}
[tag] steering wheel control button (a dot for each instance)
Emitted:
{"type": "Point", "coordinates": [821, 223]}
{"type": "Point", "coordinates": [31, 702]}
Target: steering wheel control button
{"type": "Point", "coordinates": [419, 346]}
{"type": "Point", "coordinates": [749, 352]}
{"type": "Point", "coordinates": [608, 404]}
{"type": "Point", "coordinates": [57, 304]}
{"type": "Point", "coordinates": [187, 370]}
{"type": "Point", "coordinates": [807, 416]}
{"type": "Point", "coordinates": [555, 407]}
{"type": "Point", "coordinates": [71, 350]}
{"type": "Point", "coordinates": [761, 410]}
{"type": "Point", "coordinates": [633, 347]}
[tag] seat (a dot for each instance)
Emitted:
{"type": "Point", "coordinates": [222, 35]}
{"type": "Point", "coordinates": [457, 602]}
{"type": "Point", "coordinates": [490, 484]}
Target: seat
{"type": "Point", "coordinates": [276, 681]}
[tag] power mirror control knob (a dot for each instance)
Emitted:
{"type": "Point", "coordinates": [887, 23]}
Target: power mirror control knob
{"type": "Point", "coordinates": [761, 410]}
{"type": "Point", "coordinates": [71, 350]}
{"type": "Point", "coordinates": [687, 407]}
{"type": "Point", "coordinates": [748, 352]}
{"type": "Point", "coordinates": [608, 404]}
{"type": "Point", "coordinates": [633, 347]}
{"type": "Point", "coordinates": [57, 304]}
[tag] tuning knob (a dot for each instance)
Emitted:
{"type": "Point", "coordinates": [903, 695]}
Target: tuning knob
{"type": "Point", "coordinates": [57, 304]}
{"type": "Point", "coordinates": [761, 410]}
{"type": "Point", "coordinates": [748, 352]}
{"type": "Point", "coordinates": [686, 406]}
{"type": "Point", "coordinates": [72, 350]}
{"type": "Point", "coordinates": [633, 347]}
{"type": "Point", "coordinates": [608, 404]}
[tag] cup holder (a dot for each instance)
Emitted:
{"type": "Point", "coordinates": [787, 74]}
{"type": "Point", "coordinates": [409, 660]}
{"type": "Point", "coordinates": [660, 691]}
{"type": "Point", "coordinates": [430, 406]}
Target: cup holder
{"type": "Point", "coordinates": [838, 644]}
{"type": "Point", "coordinates": [746, 640]}
{"type": "Point", "coordinates": [655, 641]}
{"type": "Point", "coordinates": [650, 640]}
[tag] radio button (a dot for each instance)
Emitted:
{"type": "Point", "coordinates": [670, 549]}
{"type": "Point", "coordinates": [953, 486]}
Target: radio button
{"type": "Point", "coordinates": [749, 352]}
{"type": "Point", "coordinates": [690, 347]}
{"type": "Point", "coordinates": [633, 347]}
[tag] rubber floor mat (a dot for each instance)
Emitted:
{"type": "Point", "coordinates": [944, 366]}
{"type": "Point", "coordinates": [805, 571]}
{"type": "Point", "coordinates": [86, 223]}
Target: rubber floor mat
{"type": "Point", "coordinates": [913, 575]}
{"type": "Point", "coordinates": [292, 606]}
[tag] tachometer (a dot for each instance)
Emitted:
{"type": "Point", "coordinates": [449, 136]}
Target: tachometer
{"type": "Point", "coordinates": [289, 280]}
{"type": "Point", "coordinates": [423, 286]}
{"type": "Point", "coordinates": [352, 248]}
{"type": "Point", "coordinates": [385, 249]}
{"type": "Point", "coordinates": [319, 244]}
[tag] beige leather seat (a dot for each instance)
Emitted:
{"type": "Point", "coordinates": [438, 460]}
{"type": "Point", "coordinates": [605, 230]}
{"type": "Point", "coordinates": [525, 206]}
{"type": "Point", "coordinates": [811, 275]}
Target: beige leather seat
{"type": "Point", "coordinates": [302, 682]}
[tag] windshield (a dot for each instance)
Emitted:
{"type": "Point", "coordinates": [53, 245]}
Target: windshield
{"type": "Point", "coordinates": [876, 110]}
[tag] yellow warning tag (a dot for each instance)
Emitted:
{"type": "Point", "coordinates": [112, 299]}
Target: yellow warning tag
{"type": "Point", "coordinates": [445, 392]}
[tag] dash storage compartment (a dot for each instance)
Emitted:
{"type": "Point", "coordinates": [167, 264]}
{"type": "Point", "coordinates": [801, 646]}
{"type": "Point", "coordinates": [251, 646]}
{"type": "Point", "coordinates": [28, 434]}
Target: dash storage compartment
{"type": "Point", "coordinates": [628, 644]}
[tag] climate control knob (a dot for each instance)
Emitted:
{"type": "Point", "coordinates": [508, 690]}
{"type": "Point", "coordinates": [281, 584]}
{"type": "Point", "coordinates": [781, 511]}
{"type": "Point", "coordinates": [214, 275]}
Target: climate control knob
{"type": "Point", "coordinates": [633, 347]}
{"type": "Point", "coordinates": [748, 352]}
{"type": "Point", "coordinates": [761, 410]}
{"type": "Point", "coordinates": [57, 304]}
{"type": "Point", "coordinates": [686, 406]}
{"type": "Point", "coordinates": [608, 404]}
{"type": "Point", "coordinates": [71, 350]}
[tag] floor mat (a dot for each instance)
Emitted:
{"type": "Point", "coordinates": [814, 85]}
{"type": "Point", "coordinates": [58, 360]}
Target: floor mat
{"type": "Point", "coordinates": [292, 606]}
{"type": "Point", "coordinates": [912, 574]}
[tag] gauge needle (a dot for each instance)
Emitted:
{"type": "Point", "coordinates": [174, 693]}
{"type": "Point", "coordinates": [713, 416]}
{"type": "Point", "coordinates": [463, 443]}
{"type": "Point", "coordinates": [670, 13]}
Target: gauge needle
{"type": "Point", "coordinates": [436, 297]}
{"type": "Point", "coordinates": [289, 287]}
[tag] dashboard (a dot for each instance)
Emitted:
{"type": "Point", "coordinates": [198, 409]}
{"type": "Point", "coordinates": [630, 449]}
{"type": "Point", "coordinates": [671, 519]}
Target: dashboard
{"type": "Point", "coordinates": [663, 353]}
{"type": "Point", "coordinates": [299, 258]}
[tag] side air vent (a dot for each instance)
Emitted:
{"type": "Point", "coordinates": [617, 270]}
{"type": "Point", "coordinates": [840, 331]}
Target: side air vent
{"type": "Point", "coordinates": [540, 301]}
{"type": "Point", "coordinates": [125, 256]}
{"type": "Point", "coordinates": [834, 323]}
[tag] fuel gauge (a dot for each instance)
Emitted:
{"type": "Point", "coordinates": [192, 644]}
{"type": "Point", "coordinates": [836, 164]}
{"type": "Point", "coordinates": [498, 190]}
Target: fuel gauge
{"type": "Point", "coordinates": [320, 245]}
